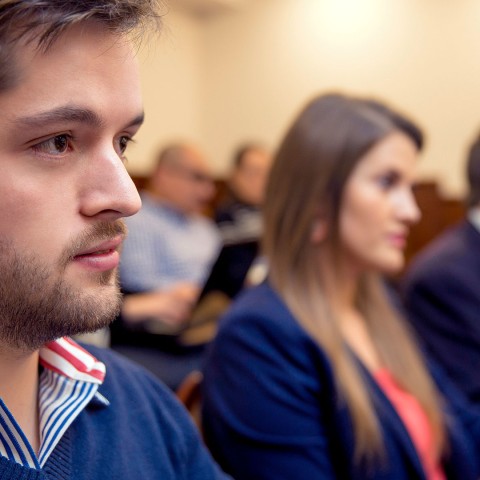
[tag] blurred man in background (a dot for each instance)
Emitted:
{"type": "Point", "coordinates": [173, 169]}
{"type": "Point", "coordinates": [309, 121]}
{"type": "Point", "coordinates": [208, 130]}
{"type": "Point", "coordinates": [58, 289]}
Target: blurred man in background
{"type": "Point", "coordinates": [166, 258]}
{"type": "Point", "coordinates": [442, 291]}
{"type": "Point", "coordinates": [239, 219]}
{"type": "Point", "coordinates": [238, 216]}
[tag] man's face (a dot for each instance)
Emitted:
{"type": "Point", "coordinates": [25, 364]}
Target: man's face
{"type": "Point", "coordinates": [186, 185]}
{"type": "Point", "coordinates": [250, 177]}
{"type": "Point", "coordinates": [64, 188]}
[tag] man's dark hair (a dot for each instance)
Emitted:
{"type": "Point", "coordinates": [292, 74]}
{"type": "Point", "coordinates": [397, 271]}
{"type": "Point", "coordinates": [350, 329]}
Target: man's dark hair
{"type": "Point", "coordinates": [42, 21]}
{"type": "Point", "coordinates": [473, 174]}
{"type": "Point", "coordinates": [242, 152]}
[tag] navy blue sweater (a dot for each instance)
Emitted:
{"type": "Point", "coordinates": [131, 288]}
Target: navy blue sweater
{"type": "Point", "coordinates": [144, 434]}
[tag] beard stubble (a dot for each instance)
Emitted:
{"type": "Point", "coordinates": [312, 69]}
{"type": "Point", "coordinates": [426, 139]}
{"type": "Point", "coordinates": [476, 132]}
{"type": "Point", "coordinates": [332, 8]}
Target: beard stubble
{"type": "Point", "coordinates": [38, 304]}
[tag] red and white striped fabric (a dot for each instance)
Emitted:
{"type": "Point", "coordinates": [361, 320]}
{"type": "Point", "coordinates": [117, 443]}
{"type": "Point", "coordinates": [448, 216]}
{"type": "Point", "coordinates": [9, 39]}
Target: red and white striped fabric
{"type": "Point", "coordinates": [66, 357]}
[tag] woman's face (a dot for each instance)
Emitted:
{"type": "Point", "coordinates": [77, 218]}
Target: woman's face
{"type": "Point", "coordinates": [378, 206]}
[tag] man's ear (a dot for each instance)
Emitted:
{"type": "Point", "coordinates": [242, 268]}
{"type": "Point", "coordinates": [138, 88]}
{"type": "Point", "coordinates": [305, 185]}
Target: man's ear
{"type": "Point", "coordinates": [319, 230]}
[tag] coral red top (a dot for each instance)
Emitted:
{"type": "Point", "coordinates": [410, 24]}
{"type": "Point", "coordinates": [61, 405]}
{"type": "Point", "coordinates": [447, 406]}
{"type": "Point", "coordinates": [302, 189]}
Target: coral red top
{"type": "Point", "coordinates": [415, 421]}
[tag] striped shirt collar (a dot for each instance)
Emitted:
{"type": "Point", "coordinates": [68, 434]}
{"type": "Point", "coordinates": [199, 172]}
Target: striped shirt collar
{"type": "Point", "coordinates": [68, 382]}
{"type": "Point", "coordinates": [69, 359]}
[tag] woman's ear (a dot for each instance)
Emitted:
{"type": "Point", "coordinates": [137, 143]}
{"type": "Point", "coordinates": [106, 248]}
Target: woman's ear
{"type": "Point", "coordinates": [318, 231]}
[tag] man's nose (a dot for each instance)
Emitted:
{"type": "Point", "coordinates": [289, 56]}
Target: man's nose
{"type": "Point", "coordinates": [108, 190]}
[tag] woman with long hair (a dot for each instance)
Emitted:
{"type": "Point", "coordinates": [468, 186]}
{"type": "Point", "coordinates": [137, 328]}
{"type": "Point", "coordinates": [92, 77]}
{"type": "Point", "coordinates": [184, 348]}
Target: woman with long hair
{"type": "Point", "coordinates": [314, 374]}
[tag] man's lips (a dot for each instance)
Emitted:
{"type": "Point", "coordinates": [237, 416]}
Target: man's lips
{"type": "Point", "coordinates": [101, 257]}
{"type": "Point", "coordinates": [102, 248]}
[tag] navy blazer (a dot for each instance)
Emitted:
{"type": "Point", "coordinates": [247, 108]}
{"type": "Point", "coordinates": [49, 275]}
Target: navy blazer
{"type": "Point", "coordinates": [442, 297]}
{"type": "Point", "coordinates": [271, 407]}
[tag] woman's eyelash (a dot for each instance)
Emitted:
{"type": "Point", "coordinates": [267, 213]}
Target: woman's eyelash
{"type": "Point", "coordinates": [388, 180]}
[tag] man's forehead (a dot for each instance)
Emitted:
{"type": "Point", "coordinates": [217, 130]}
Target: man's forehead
{"type": "Point", "coordinates": [195, 159]}
{"type": "Point", "coordinates": [26, 48]}
{"type": "Point", "coordinates": [82, 78]}
{"type": "Point", "coordinates": [76, 40]}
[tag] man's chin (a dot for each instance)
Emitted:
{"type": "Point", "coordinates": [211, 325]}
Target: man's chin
{"type": "Point", "coordinates": [91, 282]}
{"type": "Point", "coordinates": [69, 313]}
{"type": "Point", "coordinates": [40, 304]}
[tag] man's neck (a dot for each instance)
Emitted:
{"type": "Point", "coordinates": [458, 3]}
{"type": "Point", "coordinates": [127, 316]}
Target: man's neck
{"type": "Point", "coordinates": [19, 379]}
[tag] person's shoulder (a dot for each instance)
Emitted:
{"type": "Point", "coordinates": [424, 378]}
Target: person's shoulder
{"type": "Point", "coordinates": [130, 387]}
{"type": "Point", "coordinates": [129, 383]}
{"type": "Point", "coordinates": [116, 363]}
{"type": "Point", "coordinates": [205, 227]}
{"type": "Point", "coordinates": [158, 425]}
{"type": "Point", "coordinates": [259, 338]}
{"type": "Point", "coordinates": [261, 314]}
{"type": "Point", "coordinates": [203, 221]}
{"type": "Point", "coordinates": [259, 301]}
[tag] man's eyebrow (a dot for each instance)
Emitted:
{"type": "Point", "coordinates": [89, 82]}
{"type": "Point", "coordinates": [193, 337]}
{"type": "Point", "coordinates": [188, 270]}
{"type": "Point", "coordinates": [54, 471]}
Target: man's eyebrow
{"type": "Point", "coordinates": [69, 114]}
{"type": "Point", "coordinates": [61, 115]}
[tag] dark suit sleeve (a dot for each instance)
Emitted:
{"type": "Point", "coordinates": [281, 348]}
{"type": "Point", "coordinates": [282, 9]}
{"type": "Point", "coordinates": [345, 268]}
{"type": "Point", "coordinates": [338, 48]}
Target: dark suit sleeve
{"type": "Point", "coordinates": [462, 422]}
{"type": "Point", "coordinates": [263, 415]}
{"type": "Point", "coordinates": [443, 304]}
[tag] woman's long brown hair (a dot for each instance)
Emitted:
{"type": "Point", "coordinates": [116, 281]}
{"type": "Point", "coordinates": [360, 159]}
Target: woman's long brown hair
{"type": "Point", "coordinates": [310, 170]}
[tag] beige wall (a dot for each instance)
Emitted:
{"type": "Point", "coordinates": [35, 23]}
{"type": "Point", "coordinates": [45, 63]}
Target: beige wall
{"type": "Point", "coordinates": [244, 74]}
{"type": "Point", "coordinates": [170, 71]}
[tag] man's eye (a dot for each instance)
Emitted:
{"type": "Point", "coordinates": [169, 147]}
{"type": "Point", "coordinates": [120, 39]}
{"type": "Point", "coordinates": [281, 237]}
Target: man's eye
{"type": "Point", "coordinates": [123, 143]}
{"type": "Point", "coordinates": [57, 145]}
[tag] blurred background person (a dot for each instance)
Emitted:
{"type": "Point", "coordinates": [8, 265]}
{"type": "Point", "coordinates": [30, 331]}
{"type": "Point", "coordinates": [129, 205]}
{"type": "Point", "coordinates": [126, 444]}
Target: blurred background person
{"type": "Point", "coordinates": [238, 216]}
{"type": "Point", "coordinates": [239, 219]}
{"type": "Point", "coordinates": [441, 290]}
{"type": "Point", "coordinates": [170, 248]}
{"type": "Point", "coordinates": [313, 374]}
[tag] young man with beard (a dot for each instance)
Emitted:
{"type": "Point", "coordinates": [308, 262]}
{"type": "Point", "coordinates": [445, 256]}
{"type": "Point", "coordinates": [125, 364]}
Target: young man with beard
{"type": "Point", "coordinates": [70, 102]}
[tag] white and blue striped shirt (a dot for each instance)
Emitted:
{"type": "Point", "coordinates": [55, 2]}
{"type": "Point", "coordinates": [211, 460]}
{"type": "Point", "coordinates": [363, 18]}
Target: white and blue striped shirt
{"type": "Point", "coordinates": [69, 380]}
{"type": "Point", "coordinates": [165, 247]}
